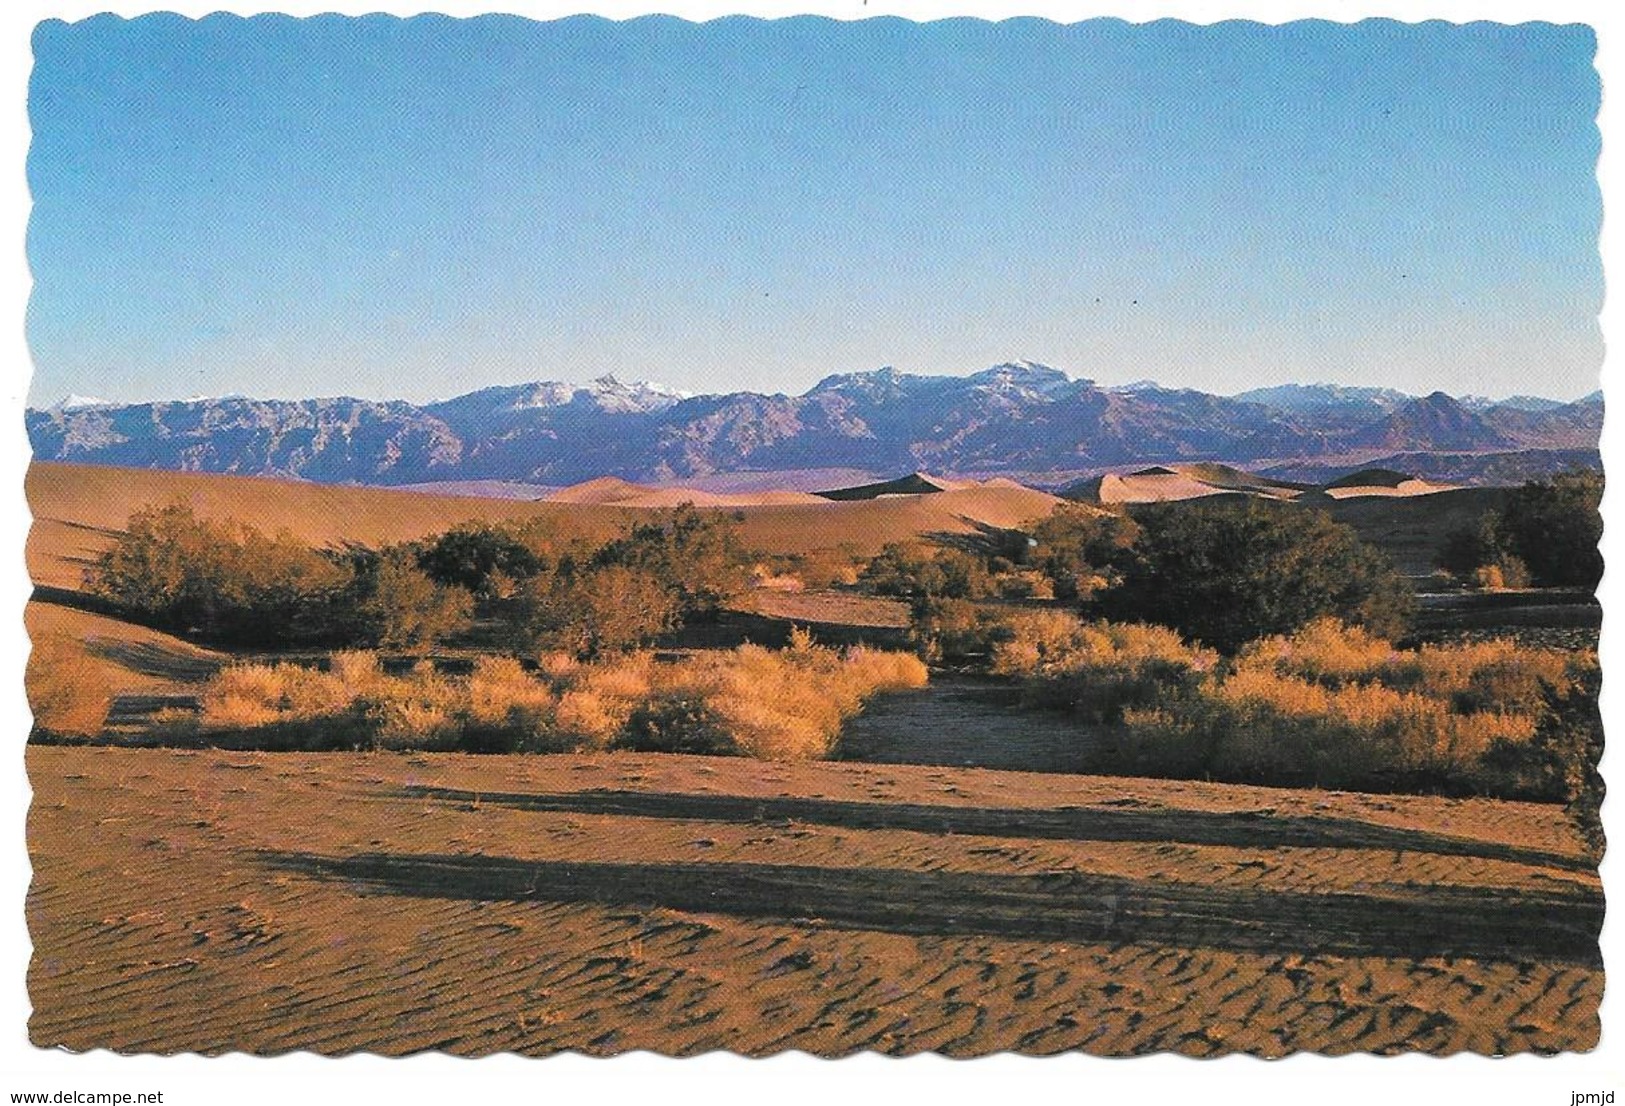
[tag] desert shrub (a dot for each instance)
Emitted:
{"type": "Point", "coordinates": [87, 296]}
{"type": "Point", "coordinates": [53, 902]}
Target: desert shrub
{"type": "Point", "coordinates": [486, 561]}
{"type": "Point", "coordinates": [673, 722]}
{"type": "Point", "coordinates": [1329, 705]}
{"type": "Point", "coordinates": [393, 604]}
{"type": "Point", "coordinates": [953, 631]}
{"type": "Point", "coordinates": [289, 706]}
{"type": "Point", "coordinates": [696, 556]}
{"type": "Point", "coordinates": [1020, 584]}
{"type": "Point", "coordinates": [218, 578]}
{"type": "Point", "coordinates": [354, 704]}
{"type": "Point", "coordinates": [918, 570]}
{"type": "Point", "coordinates": [67, 694]}
{"type": "Point", "coordinates": [1560, 762]}
{"type": "Point", "coordinates": [1505, 572]}
{"type": "Point", "coordinates": [508, 710]}
{"type": "Point", "coordinates": [1324, 650]}
{"type": "Point", "coordinates": [1263, 727]}
{"type": "Point", "coordinates": [228, 581]}
{"type": "Point", "coordinates": [1478, 554]}
{"type": "Point", "coordinates": [1547, 534]}
{"type": "Point", "coordinates": [600, 698]}
{"type": "Point", "coordinates": [785, 704]}
{"type": "Point", "coordinates": [1470, 547]}
{"type": "Point", "coordinates": [1227, 573]}
{"type": "Point", "coordinates": [1096, 669]}
{"type": "Point", "coordinates": [587, 612]}
{"type": "Point", "coordinates": [422, 710]}
{"type": "Point", "coordinates": [1554, 527]}
{"type": "Point", "coordinates": [818, 568]}
{"type": "Point", "coordinates": [1080, 548]}
{"type": "Point", "coordinates": [1498, 675]}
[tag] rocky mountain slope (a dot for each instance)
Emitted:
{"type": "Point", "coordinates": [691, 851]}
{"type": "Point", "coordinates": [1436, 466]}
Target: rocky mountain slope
{"type": "Point", "coordinates": [1020, 418]}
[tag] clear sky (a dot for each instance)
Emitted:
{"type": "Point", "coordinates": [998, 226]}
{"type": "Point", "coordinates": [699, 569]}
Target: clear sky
{"type": "Point", "coordinates": [414, 209]}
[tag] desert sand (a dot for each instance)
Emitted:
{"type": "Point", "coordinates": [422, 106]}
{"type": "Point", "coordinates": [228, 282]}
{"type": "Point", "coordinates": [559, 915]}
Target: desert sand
{"type": "Point", "coordinates": [960, 888]}
{"type": "Point", "coordinates": [209, 901]}
{"type": "Point", "coordinates": [79, 509]}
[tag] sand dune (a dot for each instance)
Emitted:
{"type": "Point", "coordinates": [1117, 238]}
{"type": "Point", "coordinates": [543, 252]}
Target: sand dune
{"type": "Point", "coordinates": [1175, 483]}
{"type": "Point", "coordinates": [604, 489]}
{"type": "Point", "coordinates": [673, 497]}
{"type": "Point", "coordinates": [215, 901]}
{"type": "Point", "coordinates": [1403, 489]}
{"type": "Point", "coordinates": [79, 510]}
{"type": "Point", "coordinates": [1158, 487]}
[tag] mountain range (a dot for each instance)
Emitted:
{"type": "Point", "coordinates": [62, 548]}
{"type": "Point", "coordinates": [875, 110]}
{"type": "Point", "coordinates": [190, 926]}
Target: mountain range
{"type": "Point", "coordinates": [1023, 420]}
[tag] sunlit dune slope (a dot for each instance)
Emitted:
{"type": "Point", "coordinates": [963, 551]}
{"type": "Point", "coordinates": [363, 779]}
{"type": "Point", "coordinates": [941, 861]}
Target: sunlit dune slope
{"type": "Point", "coordinates": [79, 509]}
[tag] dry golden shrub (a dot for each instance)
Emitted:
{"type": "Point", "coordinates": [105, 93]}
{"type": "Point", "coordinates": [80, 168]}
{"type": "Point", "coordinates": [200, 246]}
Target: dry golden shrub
{"type": "Point", "coordinates": [1330, 705]}
{"type": "Point", "coordinates": [1055, 643]}
{"type": "Point", "coordinates": [419, 711]}
{"type": "Point", "coordinates": [65, 691]}
{"type": "Point", "coordinates": [558, 666]}
{"type": "Point", "coordinates": [785, 704]}
{"type": "Point", "coordinates": [589, 718]}
{"type": "Point", "coordinates": [885, 670]}
{"type": "Point", "coordinates": [1095, 669]}
{"type": "Point", "coordinates": [502, 693]}
{"type": "Point", "coordinates": [1325, 650]}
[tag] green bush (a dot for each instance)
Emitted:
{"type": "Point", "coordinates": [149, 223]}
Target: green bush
{"type": "Point", "coordinates": [1081, 548]}
{"type": "Point", "coordinates": [393, 604]}
{"type": "Point", "coordinates": [1227, 573]}
{"type": "Point", "coordinates": [696, 556]}
{"type": "Point", "coordinates": [917, 570]}
{"type": "Point", "coordinates": [590, 611]}
{"type": "Point", "coordinates": [484, 560]}
{"type": "Point", "coordinates": [1554, 527]}
{"type": "Point", "coordinates": [219, 579]}
{"type": "Point", "coordinates": [1547, 534]}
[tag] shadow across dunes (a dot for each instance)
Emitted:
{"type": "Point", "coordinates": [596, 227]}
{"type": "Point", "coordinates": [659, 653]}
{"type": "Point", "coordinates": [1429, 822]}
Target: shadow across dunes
{"type": "Point", "coordinates": [152, 659]}
{"type": "Point", "coordinates": [1245, 829]}
{"type": "Point", "coordinates": [1063, 906]}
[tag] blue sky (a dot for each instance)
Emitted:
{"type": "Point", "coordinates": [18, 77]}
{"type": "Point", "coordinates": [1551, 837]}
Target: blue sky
{"type": "Point", "coordinates": [416, 208]}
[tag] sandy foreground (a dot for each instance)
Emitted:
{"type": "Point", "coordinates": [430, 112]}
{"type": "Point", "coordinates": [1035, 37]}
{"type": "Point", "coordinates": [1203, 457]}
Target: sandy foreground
{"type": "Point", "coordinates": [212, 901]}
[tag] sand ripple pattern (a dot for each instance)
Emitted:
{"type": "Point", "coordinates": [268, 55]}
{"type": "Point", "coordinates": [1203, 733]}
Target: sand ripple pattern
{"type": "Point", "coordinates": [212, 902]}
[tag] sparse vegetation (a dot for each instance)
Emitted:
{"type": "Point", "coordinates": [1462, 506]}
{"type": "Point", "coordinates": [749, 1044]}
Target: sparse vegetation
{"type": "Point", "coordinates": [225, 581]}
{"type": "Point", "coordinates": [778, 705]}
{"type": "Point", "coordinates": [1330, 706]}
{"type": "Point", "coordinates": [65, 692]}
{"type": "Point", "coordinates": [1095, 669]}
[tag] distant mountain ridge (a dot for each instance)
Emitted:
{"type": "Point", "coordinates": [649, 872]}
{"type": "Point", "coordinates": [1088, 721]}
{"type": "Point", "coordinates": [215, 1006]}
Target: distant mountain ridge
{"type": "Point", "coordinates": [1017, 418]}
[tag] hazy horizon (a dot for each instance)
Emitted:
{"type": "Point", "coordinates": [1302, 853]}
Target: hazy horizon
{"type": "Point", "coordinates": [414, 209]}
{"type": "Point", "coordinates": [469, 386]}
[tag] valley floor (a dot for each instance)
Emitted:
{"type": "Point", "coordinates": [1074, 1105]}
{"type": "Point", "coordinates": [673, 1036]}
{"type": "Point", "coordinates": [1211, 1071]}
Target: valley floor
{"type": "Point", "coordinates": [213, 901]}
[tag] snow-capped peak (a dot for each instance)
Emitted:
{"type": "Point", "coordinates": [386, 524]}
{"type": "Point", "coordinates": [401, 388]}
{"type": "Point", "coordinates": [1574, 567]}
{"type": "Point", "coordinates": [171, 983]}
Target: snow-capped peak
{"type": "Point", "coordinates": [1028, 376]}
{"type": "Point", "coordinates": [74, 402]}
{"type": "Point", "coordinates": [606, 392]}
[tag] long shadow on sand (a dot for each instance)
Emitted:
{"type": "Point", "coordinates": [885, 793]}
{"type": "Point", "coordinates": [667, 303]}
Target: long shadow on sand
{"type": "Point", "coordinates": [1242, 829]}
{"type": "Point", "coordinates": [1070, 907]}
